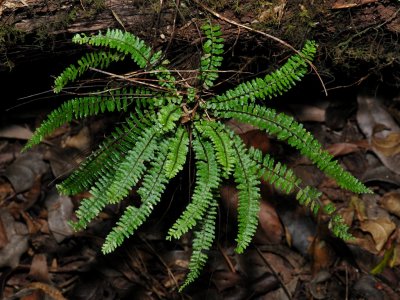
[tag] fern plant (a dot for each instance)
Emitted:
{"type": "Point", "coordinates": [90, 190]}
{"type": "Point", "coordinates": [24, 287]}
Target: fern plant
{"type": "Point", "coordinates": [164, 120]}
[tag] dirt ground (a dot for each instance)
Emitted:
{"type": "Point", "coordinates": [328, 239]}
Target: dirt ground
{"type": "Point", "coordinates": [293, 255]}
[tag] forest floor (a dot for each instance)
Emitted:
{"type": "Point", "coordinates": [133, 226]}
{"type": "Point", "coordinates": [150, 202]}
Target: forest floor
{"type": "Point", "coordinates": [293, 255]}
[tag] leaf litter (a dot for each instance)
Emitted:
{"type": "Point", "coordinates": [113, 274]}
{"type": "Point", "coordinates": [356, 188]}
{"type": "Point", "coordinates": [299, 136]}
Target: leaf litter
{"type": "Point", "coordinates": [291, 258]}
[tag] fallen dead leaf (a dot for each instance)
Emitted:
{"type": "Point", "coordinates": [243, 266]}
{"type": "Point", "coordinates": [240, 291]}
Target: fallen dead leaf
{"type": "Point", "coordinates": [80, 141]}
{"type": "Point", "coordinates": [15, 132]}
{"type": "Point", "coordinates": [391, 202]}
{"type": "Point", "coordinates": [341, 4]}
{"type": "Point", "coordinates": [339, 149]}
{"type": "Point", "coordinates": [60, 210]}
{"type": "Point", "coordinates": [308, 113]}
{"type": "Point", "coordinates": [381, 130]}
{"type": "Point", "coordinates": [3, 235]}
{"type": "Point", "coordinates": [17, 235]}
{"type": "Point", "coordinates": [39, 270]}
{"type": "Point", "coordinates": [270, 229]}
{"type": "Point", "coordinates": [389, 146]}
{"type": "Point", "coordinates": [23, 172]}
{"type": "Point", "coordinates": [380, 229]}
{"type": "Point", "coordinates": [322, 255]}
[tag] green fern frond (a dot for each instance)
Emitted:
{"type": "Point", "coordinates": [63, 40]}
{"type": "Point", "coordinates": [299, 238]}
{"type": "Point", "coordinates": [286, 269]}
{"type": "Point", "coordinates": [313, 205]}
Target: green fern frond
{"type": "Point", "coordinates": [287, 129]}
{"type": "Point", "coordinates": [84, 107]}
{"type": "Point", "coordinates": [246, 177]}
{"type": "Point", "coordinates": [275, 83]}
{"type": "Point", "coordinates": [129, 44]}
{"type": "Point", "coordinates": [207, 179]}
{"type": "Point", "coordinates": [202, 242]}
{"type": "Point", "coordinates": [150, 192]}
{"type": "Point", "coordinates": [222, 142]}
{"type": "Point", "coordinates": [177, 154]}
{"type": "Point", "coordinates": [115, 184]}
{"type": "Point", "coordinates": [100, 59]}
{"type": "Point", "coordinates": [131, 169]}
{"type": "Point", "coordinates": [108, 155]}
{"type": "Point", "coordinates": [124, 42]}
{"type": "Point", "coordinates": [283, 178]}
{"type": "Point", "coordinates": [213, 48]}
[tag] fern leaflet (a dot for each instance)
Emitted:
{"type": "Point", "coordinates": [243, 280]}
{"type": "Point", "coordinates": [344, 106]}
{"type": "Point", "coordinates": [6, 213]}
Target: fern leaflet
{"type": "Point", "coordinates": [207, 179]}
{"type": "Point", "coordinates": [100, 59]}
{"type": "Point", "coordinates": [248, 182]}
{"type": "Point", "coordinates": [222, 142]}
{"type": "Point", "coordinates": [275, 83]}
{"type": "Point", "coordinates": [213, 48]}
{"type": "Point", "coordinates": [108, 155]}
{"type": "Point", "coordinates": [202, 242]}
{"type": "Point", "coordinates": [286, 129]}
{"type": "Point", "coordinates": [150, 194]}
{"type": "Point", "coordinates": [177, 154]}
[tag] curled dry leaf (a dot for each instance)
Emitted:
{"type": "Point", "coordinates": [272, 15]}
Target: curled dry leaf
{"type": "Point", "coordinates": [374, 223]}
{"type": "Point", "coordinates": [380, 229]}
{"type": "Point", "coordinates": [381, 130]}
{"type": "Point", "coordinates": [391, 202]}
{"type": "Point", "coordinates": [389, 146]}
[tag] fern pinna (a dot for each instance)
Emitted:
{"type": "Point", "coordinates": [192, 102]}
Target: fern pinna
{"type": "Point", "coordinates": [164, 120]}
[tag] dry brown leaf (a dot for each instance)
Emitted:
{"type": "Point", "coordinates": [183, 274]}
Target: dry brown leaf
{"type": "Point", "coordinates": [308, 113]}
{"type": "Point", "coordinates": [47, 289]}
{"type": "Point", "coordinates": [24, 171]}
{"type": "Point", "coordinates": [391, 202]}
{"type": "Point", "coordinates": [381, 130]}
{"type": "Point", "coordinates": [359, 208]}
{"type": "Point", "coordinates": [238, 127]}
{"type": "Point", "coordinates": [80, 141]}
{"type": "Point", "coordinates": [3, 235]}
{"type": "Point", "coordinates": [257, 139]}
{"type": "Point", "coordinates": [339, 149]}
{"type": "Point", "coordinates": [60, 210]}
{"type": "Point", "coordinates": [39, 270]}
{"type": "Point", "coordinates": [388, 146]}
{"type": "Point", "coordinates": [380, 229]}
{"type": "Point", "coordinates": [341, 4]}
{"type": "Point", "coordinates": [323, 255]}
{"type": "Point", "coordinates": [17, 235]}
{"type": "Point", "coordinates": [16, 132]}
{"type": "Point", "coordinates": [6, 190]}
{"type": "Point", "coordinates": [270, 229]}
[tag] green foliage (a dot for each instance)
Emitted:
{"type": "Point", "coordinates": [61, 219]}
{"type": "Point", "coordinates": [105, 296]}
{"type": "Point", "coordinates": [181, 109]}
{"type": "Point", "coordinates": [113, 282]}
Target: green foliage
{"type": "Point", "coordinates": [164, 123]}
